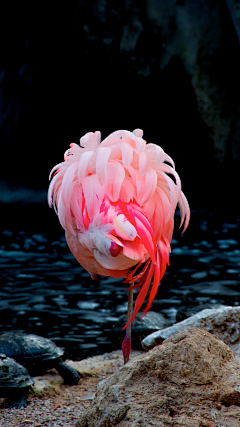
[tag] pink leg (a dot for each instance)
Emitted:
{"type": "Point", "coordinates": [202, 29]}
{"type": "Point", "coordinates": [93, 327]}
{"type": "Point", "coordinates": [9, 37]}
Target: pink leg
{"type": "Point", "coordinates": [126, 344]}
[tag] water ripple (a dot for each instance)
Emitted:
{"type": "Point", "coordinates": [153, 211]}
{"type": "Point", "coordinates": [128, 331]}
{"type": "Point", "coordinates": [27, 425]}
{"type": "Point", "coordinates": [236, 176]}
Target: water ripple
{"type": "Point", "coordinates": [44, 290]}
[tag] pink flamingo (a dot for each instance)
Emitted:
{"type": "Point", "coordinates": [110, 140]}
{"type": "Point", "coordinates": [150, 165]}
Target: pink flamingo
{"type": "Point", "coordinates": [116, 201]}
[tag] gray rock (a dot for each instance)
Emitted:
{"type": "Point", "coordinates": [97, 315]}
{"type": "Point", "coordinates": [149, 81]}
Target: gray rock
{"type": "Point", "coordinates": [185, 312]}
{"type": "Point", "coordinates": [236, 350]}
{"type": "Point", "coordinates": [191, 380]}
{"type": "Point", "coordinates": [223, 322]}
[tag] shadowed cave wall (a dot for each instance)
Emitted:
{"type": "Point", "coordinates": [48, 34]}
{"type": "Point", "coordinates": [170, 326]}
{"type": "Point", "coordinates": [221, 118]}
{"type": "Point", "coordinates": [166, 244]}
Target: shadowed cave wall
{"type": "Point", "coordinates": [169, 67]}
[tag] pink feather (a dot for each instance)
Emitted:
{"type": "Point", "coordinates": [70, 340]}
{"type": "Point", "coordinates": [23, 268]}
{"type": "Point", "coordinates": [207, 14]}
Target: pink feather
{"type": "Point", "coordinates": [121, 177]}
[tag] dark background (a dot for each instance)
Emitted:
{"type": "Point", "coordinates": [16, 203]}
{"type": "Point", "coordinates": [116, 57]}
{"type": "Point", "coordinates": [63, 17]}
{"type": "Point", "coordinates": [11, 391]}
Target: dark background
{"type": "Point", "coordinates": [169, 67]}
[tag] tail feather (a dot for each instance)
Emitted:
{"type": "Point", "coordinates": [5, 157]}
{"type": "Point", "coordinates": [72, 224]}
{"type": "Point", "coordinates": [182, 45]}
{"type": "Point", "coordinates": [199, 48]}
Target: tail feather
{"type": "Point", "coordinates": [131, 279]}
{"type": "Point", "coordinates": [143, 292]}
{"type": "Point", "coordinates": [155, 284]}
{"type": "Point", "coordinates": [144, 278]}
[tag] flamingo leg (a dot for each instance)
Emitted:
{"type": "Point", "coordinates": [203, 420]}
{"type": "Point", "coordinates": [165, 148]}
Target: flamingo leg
{"type": "Point", "coordinates": [126, 344]}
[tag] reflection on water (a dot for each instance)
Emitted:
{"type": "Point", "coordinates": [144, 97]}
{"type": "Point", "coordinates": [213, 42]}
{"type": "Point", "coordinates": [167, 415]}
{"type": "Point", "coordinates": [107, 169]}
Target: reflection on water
{"type": "Point", "coordinates": [45, 291]}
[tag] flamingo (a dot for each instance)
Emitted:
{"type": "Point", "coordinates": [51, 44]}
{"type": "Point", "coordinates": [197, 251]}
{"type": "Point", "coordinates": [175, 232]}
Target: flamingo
{"type": "Point", "coordinates": [116, 200]}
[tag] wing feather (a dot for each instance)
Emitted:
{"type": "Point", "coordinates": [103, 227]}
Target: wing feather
{"type": "Point", "coordinates": [103, 154]}
{"type": "Point", "coordinates": [83, 164]}
{"type": "Point", "coordinates": [115, 177]}
{"type": "Point", "coordinates": [67, 183]}
{"type": "Point", "coordinates": [93, 193]}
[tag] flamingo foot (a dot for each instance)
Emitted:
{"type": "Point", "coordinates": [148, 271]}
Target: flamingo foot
{"type": "Point", "coordinates": [126, 349]}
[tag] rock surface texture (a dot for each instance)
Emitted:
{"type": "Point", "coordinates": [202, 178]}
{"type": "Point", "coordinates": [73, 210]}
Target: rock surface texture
{"type": "Point", "coordinates": [223, 322]}
{"type": "Point", "coordinates": [105, 364]}
{"type": "Point", "coordinates": [54, 404]}
{"type": "Point", "coordinates": [191, 380]}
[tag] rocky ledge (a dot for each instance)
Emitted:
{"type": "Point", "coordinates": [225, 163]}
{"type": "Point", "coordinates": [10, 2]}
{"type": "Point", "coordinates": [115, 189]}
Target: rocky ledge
{"type": "Point", "coordinates": [191, 379]}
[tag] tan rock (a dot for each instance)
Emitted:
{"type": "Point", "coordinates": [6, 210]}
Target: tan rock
{"type": "Point", "coordinates": [47, 384]}
{"type": "Point", "coordinates": [101, 365]}
{"type": "Point", "coordinates": [191, 380]}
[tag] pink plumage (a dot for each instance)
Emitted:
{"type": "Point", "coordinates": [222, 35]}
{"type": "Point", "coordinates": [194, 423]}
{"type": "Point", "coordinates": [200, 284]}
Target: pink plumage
{"type": "Point", "coordinates": [116, 201]}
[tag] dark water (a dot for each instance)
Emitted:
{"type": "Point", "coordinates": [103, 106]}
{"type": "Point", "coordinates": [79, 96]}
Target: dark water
{"type": "Point", "coordinates": [44, 290]}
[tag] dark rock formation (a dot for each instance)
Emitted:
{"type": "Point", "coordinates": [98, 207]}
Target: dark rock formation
{"type": "Point", "coordinates": [171, 68]}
